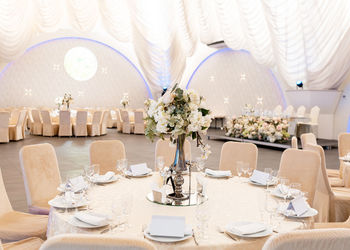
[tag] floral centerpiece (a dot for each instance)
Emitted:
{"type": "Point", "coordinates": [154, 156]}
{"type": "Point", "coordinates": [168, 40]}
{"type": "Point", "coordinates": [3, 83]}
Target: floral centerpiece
{"type": "Point", "coordinates": [125, 100]}
{"type": "Point", "coordinates": [258, 128]}
{"type": "Point", "coordinates": [67, 100]}
{"type": "Point", "coordinates": [179, 113]}
{"type": "Point", "coordinates": [59, 101]}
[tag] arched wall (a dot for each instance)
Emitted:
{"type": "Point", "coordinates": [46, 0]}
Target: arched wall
{"type": "Point", "coordinates": [230, 79]}
{"type": "Point", "coordinates": [38, 77]}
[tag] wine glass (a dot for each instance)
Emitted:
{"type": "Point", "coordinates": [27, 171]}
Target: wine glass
{"type": "Point", "coordinates": [250, 172]}
{"type": "Point", "coordinates": [271, 206]}
{"type": "Point", "coordinates": [268, 171]}
{"type": "Point", "coordinates": [200, 164]}
{"type": "Point", "coordinates": [284, 188]}
{"type": "Point", "coordinates": [127, 202]}
{"type": "Point", "coordinates": [121, 167]}
{"type": "Point", "coordinates": [160, 163]}
{"type": "Point", "coordinates": [202, 215]}
{"type": "Point", "coordinates": [295, 189]}
{"type": "Point", "coordinates": [239, 169]}
{"type": "Point", "coordinates": [89, 172]}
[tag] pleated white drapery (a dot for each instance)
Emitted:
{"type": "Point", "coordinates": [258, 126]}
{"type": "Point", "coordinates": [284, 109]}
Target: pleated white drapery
{"type": "Point", "coordinates": [304, 39]}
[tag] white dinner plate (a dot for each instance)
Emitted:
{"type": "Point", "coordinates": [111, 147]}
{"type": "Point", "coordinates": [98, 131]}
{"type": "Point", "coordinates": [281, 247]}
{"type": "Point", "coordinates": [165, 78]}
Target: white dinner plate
{"type": "Point", "coordinates": [113, 179]}
{"type": "Point", "coordinates": [217, 176]}
{"type": "Point", "coordinates": [59, 203]}
{"type": "Point", "coordinates": [129, 174]}
{"type": "Point", "coordinates": [312, 212]}
{"type": "Point", "coordinates": [165, 239]}
{"type": "Point", "coordinates": [78, 223]}
{"type": "Point", "coordinates": [259, 184]}
{"type": "Point", "coordinates": [277, 193]}
{"type": "Point", "coordinates": [61, 188]}
{"type": "Point", "coordinates": [266, 232]}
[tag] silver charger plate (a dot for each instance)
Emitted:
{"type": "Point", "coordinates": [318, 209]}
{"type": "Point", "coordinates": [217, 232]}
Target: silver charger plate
{"type": "Point", "coordinates": [165, 239]}
{"type": "Point", "coordinates": [78, 223]}
{"type": "Point", "coordinates": [312, 212]}
{"type": "Point", "coordinates": [58, 202]}
{"type": "Point", "coordinates": [113, 179]}
{"type": "Point", "coordinates": [266, 232]}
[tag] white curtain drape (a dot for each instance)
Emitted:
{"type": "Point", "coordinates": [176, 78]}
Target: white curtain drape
{"type": "Point", "coordinates": [306, 40]}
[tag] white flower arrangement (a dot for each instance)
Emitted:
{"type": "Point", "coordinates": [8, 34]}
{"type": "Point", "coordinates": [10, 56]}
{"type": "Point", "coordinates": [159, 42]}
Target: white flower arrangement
{"type": "Point", "coordinates": [258, 128]}
{"type": "Point", "coordinates": [125, 100]}
{"type": "Point", "coordinates": [67, 100]}
{"type": "Point", "coordinates": [58, 102]}
{"type": "Point", "coordinates": [178, 112]}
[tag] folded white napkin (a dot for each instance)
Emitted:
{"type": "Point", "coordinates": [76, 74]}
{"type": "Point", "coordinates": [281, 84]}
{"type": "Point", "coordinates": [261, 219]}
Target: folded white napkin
{"type": "Point", "coordinates": [298, 206]}
{"type": "Point", "coordinates": [140, 169]}
{"type": "Point", "coordinates": [259, 177]}
{"type": "Point", "coordinates": [250, 228]}
{"type": "Point", "coordinates": [92, 219]}
{"type": "Point", "coordinates": [103, 178]}
{"type": "Point", "coordinates": [218, 173]}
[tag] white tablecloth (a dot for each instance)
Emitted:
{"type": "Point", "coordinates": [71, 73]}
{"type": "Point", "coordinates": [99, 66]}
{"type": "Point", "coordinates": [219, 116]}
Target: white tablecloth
{"type": "Point", "coordinates": [229, 201]}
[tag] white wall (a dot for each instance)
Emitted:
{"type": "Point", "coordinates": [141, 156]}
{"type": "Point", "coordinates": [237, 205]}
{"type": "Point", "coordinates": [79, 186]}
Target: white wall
{"type": "Point", "coordinates": [342, 114]}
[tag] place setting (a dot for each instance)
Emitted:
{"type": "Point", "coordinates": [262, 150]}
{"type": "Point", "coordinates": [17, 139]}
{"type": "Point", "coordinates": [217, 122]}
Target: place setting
{"type": "Point", "coordinates": [265, 179]}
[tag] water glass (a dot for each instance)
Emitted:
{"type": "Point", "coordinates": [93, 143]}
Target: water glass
{"type": "Point", "coordinates": [160, 163]}
{"type": "Point", "coordinates": [285, 188]}
{"type": "Point", "coordinates": [239, 168]}
{"type": "Point", "coordinates": [200, 164]}
{"type": "Point", "coordinates": [271, 206]}
{"type": "Point", "coordinates": [295, 189]}
{"type": "Point", "coordinates": [202, 220]}
{"type": "Point", "coordinates": [89, 172]}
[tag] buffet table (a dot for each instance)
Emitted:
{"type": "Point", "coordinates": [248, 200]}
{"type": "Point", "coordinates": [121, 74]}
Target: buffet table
{"type": "Point", "coordinates": [229, 200]}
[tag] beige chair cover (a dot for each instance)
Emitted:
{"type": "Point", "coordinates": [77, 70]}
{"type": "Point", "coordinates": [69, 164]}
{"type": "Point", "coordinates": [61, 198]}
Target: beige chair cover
{"type": "Point", "coordinates": [301, 166]}
{"type": "Point", "coordinates": [24, 124]}
{"type": "Point", "coordinates": [16, 131]}
{"type": "Point", "coordinates": [139, 123]}
{"type": "Point", "coordinates": [277, 111]}
{"type": "Point", "coordinates": [112, 119]}
{"type": "Point", "coordinates": [301, 111]}
{"type": "Point", "coordinates": [14, 116]}
{"type": "Point", "coordinates": [32, 243]}
{"type": "Point", "coordinates": [17, 225]}
{"type": "Point", "coordinates": [343, 149]}
{"type": "Point", "coordinates": [40, 174]}
{"type": "Point", "coordinates": [94, 128]}
{"type": "Point", "coordinates": [308, 138]}
{"type": "Point", "coordinates": [231, 152]}
{"type": "Point", "coordinates": [104, 122]}
{"type": "Point", "coordinates": [168, 150]}
{"type": "Point", "coordinates": [80, 126]}
{"type": "Point", "coordinates": [49, 128]}
{"type": "Point", "coordinates": [37, 128]}
{"type": "Point", "coordinates": [294, 142]}
{"type": "Point", "coordinates": [106, 154]}
{"type": "Point", "coordinates": [317, 239]}
{"type": "Point", "coordinates": [90, 242]}
{"type": "Point", "coordinates": [65, 128]}
{"type": "Point", "coordinates": [128, 126]}
{"type": "Point", "coordinates": [289, 110]}
{"type": "Point", "coordinates": [4, 126]}
{"type": "Point", "coordinates": [119, 120]}
{"type": "Point", "coordinates": [345, 224]}
{"type": "Point", "coordinates": [30, 120]}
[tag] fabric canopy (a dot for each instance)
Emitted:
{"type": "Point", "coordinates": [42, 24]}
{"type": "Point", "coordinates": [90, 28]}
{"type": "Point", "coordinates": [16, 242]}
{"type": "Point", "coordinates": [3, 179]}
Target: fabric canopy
{"type": "Point", "coordinates": [304, 40]}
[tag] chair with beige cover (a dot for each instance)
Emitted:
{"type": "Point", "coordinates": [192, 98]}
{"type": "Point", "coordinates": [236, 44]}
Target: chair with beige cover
{"type": "Point", "coordinates": [343, 149]}
{"type": "Point", "coordinates": [345, 224]}
{"type": "Point", "coordinates": [37, 127]}
{"type": "Point", "coordinates": [295, 142]}
{"type": "Point", "coordinates": [316, 239]}
{"type": "Point", "coordinates": [30, 121]}
{"type": "Point", "coordinates": [106, 153]}
{"type": "Point", "coordinates": [168, 150]}
{"type": "Point", "coordinates": [80, 125]}
{"type": "Point", "coordinates": [308, 138]}
{"type": "Point", "coordinates": [232, 152]}
{"type": "Point", "coordinates": [91, 241]}
{"type": "Point", "coordinates": [4, 126]}
{"type": "Point", "coordinates": [312, 125]}
{"type": "Point", "coordinates": [301, 166]}
{"type": "Point", "coordinates": [277, 111]}
{"type": "Point", "coordinates": [40, 174]}
{"type": "Point", "coordinates": [65, 128]}
{"type": "Point", "coordinates": [128, 126]}
{"type": "Point", "coordinates": [288, 112]}
{"type": "Point", "coordinates": [112, 119]}
{"type": "Point", "coordinates": [49, 128]}
{"type": "Point", "coordinates": [32, 243]}
{"type": "Point", "coordinates": [14, 116]}
{"type": "Point", "coordinates": [24, 124]}
{"type": "Point", "coordinates": [139, 122]}
{"type": "Point", "coordinates": [104, 122]}
{"type": "Point", "coordinates": [94, 128]}
{"type": "Point", "coordinates": [119, 120]}
{"type": "Point", "coordinates": [301, 111]}
{"type": "Point", "coordinates": [17, 225]}
{"type": "Point", "coordinates": [16, 131]}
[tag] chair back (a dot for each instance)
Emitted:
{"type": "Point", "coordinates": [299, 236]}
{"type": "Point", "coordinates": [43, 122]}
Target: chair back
{"type": "Point", "coordinates": [40, 172]}
{"type": "Point", "coordinates": [117, 113]}
{"type": "Point", "coordinates": [36, 116]}
{"type": "Point", "coordinates": [14, 116]}
{"type": "Point", "coordinates": [301, 111]}
{"type": "Point", "coordinates": [4, 119]}
{"type": "Point", "coordinates": [315, 239]}
{"type": "Point", "coordinates": [45, 114]}
{"type": "Point", "coordinates": [104, 122]}
{"type": "Point", "coordinates": [232, 152]}
{"type": "Point", "coordinates": [307, 138]}
{"type": "Point", "coordinates": [289, 110]}
{"type": "Point", "coordinates": [277, 111]}
{"type": "Point", "coordinates": [139, 117]}
{"type": "Point", "coordinates": [125, 116]}
{"type": "Point", "coordinates": [301, 166]}
{"type": "Point", "coordinates": [90, 242]}
{"type": "Point", "coordinates": [314, 113]}
{"type": "Point", "coordinates": [96, 118]}
{"type": "Point", "coordinates": [168, 150]}
{"type": "Point", "coordinates": [81, 118]}
{"type": "Point", "coordinates": [294, 142]}
{"type": "Point", "coordinates": [343, 149]}
{"type": "Point", "coordinates": [64, 117]}
{"type": "Point", "coordinates": [106, 153]}
{"type": "Point", "coordinates": [5, 205]}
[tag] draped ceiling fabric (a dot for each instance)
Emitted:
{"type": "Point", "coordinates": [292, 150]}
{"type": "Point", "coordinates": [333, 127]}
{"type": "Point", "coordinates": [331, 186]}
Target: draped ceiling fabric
{"type": "Point", "coordinates": [305, 40]}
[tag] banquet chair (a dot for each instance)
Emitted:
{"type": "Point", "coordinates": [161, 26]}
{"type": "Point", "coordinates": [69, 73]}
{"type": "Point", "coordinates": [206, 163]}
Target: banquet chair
{"type": "Point", "coordinates": [80, 125]}
{"type": "Point", "coordinates": [24, 125]}
{"type": "Point", "coordinates": [343, 149]}
{"type": "Point", "coordinates": [288, 112]}
{"type": "Point", "coordinates": [65, 128]}
{"type": "Point", "coordinates": [119, 120]}
{"type": "Point", "coordinates": [345, 224]}
{"type": "Point", "coordinates": [49, 128]}
{"type": "Point", "coordinates": [128, 126]}
{"type": "Point", "coordinates": [312, 125]}
{"type": "Point", "coordinates": [92, 242]}
{"type": "Point", "coordinates": [301, 166]}
{"type": "Point", "coordinates": [16, 131]}
{"type": "Point", "coordinates": [30, 120]}
{"type": "Point", "coordinates": [40, 174]}
{"type": "Point", "coordinates": [37, 127]}
{"type": "Point", "coordinates": [139, 123]}
{"type": "Point", "coordinates": [308, 138]}
{"type": "Point", "coordinates": [14, 116]}
{"type": "Point", "coordinates": [277, 111]}
{"type": "Point", "coordinates": [4, 126]}
{"type": "Point", "coordinates": [316, 239]}
{"type": "Point", "coordinates": [232, 152]}
{"type": "Point", "coordinates": [112, 119]}
{"type": "Point", "coordinates": [32, 243]}
{"type": "Point", "coordinates": [17, 225]}
{"type": "Point", "coordinates": [106, 153]}
{"type": "Point", "coordinates": [301, 111]}
{"type": "Point", "coordinates": [94, 128]}
{"type": "Point", "coordinates": [165, 148]}
{"type": "Point", "coordinates": [295, 142]}
{"type": "Point", "coordinates": [104, 122]}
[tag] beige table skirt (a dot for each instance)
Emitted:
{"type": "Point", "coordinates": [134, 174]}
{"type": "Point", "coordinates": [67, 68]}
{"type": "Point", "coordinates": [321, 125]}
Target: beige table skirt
{"type": "Point", "coordinates": [229, 201]}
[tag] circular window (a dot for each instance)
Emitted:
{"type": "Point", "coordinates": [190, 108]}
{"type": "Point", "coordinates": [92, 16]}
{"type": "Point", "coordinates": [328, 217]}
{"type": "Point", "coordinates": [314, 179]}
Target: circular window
{"type": "Point", "coordinates": [80, 63]}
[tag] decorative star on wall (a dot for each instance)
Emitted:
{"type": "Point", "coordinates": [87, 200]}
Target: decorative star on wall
{"type": "Point", "coordinates": [56, 67]}
{"type": "Point", "coordinates": [212, 78]}
{"type": "Point", "coordinates": [259, 100]}
{"type": "Point", "coordinates": [104, 70]}
{"type": "Point", "coordinates": [243, 77]}
{"type": "Point", "coordinates": [28, 92]}
{"type": "Point", "coordinates": [80, 93]}
{"type": "Point", "coordinates": [226, 100]}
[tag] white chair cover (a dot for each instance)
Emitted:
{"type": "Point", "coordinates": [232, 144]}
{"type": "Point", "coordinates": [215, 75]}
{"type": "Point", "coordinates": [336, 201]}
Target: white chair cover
{"type": "Point", "coordinates": [4, 126]}
{"type": "Point", "coordinates": [37, 128]}
{"type": "Point", "coordinates": [104, 122]}
{"type": "Point", "coordinates": [65, 128]}
{"type": "Point", "coordinates": [308, 138]}
{"type": "Point", "coordinates": [119, 120]}
{"type": "Point", "coordinates": [80, 126]}
{"type": "Point", "coordinates": [289, 111]}
{"type": "Point", "coordinates": [277, 111]}
{"type": "Point", "coordinates": [128, 127]}
{"type": "Point", "coordinates": [49, 128]}
{"type": "Point", "coordinates": [301, 111]}
{"type": "Point", "coordinates": [294, 142]}
{"type": "Point", "coordinates": [94, 128]}
{"type": "Point", "coordinates": [139, 122]}
{"type": "Point", "coordinates": [16, 131]}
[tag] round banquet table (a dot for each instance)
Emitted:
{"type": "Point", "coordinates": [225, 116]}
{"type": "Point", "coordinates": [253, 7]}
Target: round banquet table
{"type": "Point", "coordinates": [229, 200]}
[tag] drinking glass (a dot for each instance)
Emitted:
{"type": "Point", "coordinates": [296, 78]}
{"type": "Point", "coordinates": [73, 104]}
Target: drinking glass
{"type": "Point", "coordinates": [118, 213]}
{"type": "Point", "coordinates": [96, 168]}
{"type": "Point", "coordinates": [202, 220]}
{"type": "Point", "coordinates": [268, 171]}
{"type": "Point", "coordinates": [121, 166]}
{"type": "Point", "coordinates": [200, 164]}
{"type": "Point", "coordinates": [89, 172]}
{"type": "Point", "coordinates": [239, 168]}
{"type": "Point", "coordinates": [127, 202]}
{"type": "Point", "coordinates": [250, 172]}
{"type": "Point", "coordinates": [295, 189]}
{"type": "Point", "coordinates": [160, 163]}
{"type": "Point", "coordinates": [271, 206]}
{"type": "Point", "coordinates": [284, 188]}
{"type": "Point", "coordinates": [245, 168]}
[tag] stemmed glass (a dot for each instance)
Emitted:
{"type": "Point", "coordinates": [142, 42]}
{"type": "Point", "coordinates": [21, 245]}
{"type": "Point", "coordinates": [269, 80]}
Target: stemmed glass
{"type": "Point", "coordinates": [239, 169]}
{"type": "Point", "coordinates": [295, 189]}
{"type": "Point", "coordinates": [200, 164]}
{"type": "Point", "coordinates": [160, 163]}
{"type": "Point", "coordinates": [122, 165]}
{"type": "Point", "coordinates": [284, 188]}
{"type": "Point", "coordinates": [202, 216]}
{"type": "Point", "coordinates": [127, 202]}
{"type": "Point", "coordinates": [271, 207]}
{"type": "Point", "coordinates": [271, 179]}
